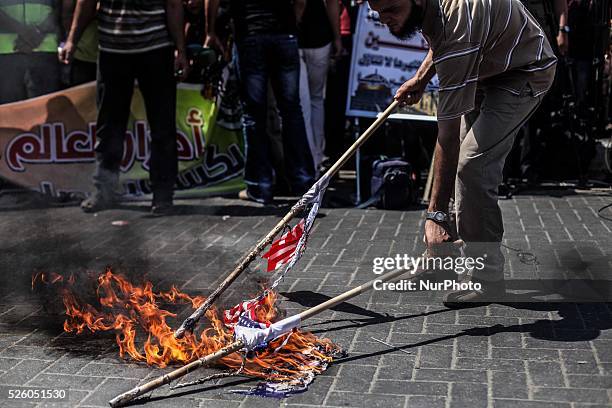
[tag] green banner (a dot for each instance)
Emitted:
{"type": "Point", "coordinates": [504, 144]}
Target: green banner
{"type": "Point", "coordinates": [47, 143]}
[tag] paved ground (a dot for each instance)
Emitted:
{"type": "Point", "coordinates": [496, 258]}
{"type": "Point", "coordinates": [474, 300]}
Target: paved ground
{"type": "Point", "coordinates": [520, 355]}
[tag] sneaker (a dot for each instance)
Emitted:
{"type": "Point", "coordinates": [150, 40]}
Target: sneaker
{"type": "Point", "coordinates": [246, 195]}
{"type": "Point", "coordinates": [162, 203]}
{"type": "Point", "coordinates": [162, 208]}
{"type": "Point", "coordinates": [105, 197]}
{"type": "Point", "coordinates": [491, 292]}
{"type": "Point", "coordinates": [97, 202]}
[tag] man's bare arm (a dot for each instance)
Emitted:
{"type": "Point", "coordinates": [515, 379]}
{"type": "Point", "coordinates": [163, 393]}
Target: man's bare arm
{"type": "Point", "coordinates": [333, 14]}
{"type": "Point", "coordinates": [84, 13]}
{"type": "Point", "coordinates": [412, 90]}
{"type": "Point", "coordinates": [186, 28]}
{"type": "Point", "coordinates": [445, 167]}
{"type": "Point", "coordinates": [211, 10]}
{"type": "Point", "coordinates": [67, 14]}
{"type": "Point", "coordinates": [560, 7]}
{"type": "Point", "coordinates": [445, 171]}
{"type": "Point", "coordinates": [298, 8]}
{"type": "Point", "coordinates": [427, 70]}
{"type": "Point", "coordinates": [175, 18]}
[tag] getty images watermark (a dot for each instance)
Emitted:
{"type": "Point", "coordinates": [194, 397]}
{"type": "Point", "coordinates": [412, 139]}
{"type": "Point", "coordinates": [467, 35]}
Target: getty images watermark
{"type": "Point", "coordinates": [416, 265]}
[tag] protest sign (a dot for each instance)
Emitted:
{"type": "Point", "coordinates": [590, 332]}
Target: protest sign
{"type": "Point", "coordinates": [380, 64]}
{"type": "Point", "coordinates": [47, 143]}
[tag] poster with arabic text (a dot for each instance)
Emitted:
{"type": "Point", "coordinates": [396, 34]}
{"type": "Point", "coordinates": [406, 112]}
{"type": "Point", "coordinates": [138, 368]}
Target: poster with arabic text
{"type": "Point", "coordinates": [380, 64]}
{"type": "Point", "coordinates": [47, 144]}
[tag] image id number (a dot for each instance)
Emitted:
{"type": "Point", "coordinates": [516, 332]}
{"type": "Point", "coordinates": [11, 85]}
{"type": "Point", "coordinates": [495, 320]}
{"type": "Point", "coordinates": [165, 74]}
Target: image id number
{"type": "Point", "coordinates": [35, 393]}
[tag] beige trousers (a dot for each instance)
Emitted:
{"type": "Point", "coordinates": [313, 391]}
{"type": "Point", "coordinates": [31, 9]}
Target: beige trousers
{"type": "Point", "coordinates": [487, 135]}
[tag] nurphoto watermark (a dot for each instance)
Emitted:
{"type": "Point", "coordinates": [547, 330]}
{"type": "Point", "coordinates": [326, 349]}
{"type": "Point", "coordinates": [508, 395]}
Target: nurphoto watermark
{"type": "Point", "coordinates": [416, 265]}
{"type": "Point", "coordinates": [559, 272]}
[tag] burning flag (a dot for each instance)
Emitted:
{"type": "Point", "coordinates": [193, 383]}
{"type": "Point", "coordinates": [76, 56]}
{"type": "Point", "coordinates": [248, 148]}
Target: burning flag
{"type": "Point", "coordinates": [312, 199]}
{"type": "Point", "coordinates": [258, 336]}
{"type": "Point", "coordinates": [138, 316]}
{"type": "Point", "coordinates": [287, 358]}
{"type": "Point", "coordinates": [286, 250]}
{"type": "Point", "coordinates": [231, 316]}
{"type": "Point", "coordinates": [255, 335]}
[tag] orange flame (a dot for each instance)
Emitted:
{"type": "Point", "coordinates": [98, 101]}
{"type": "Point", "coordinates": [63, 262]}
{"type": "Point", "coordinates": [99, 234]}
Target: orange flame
{"type": "Point", "coordinates": [49, 279]}
{"type": "Point", "coordinates": [135, 314]}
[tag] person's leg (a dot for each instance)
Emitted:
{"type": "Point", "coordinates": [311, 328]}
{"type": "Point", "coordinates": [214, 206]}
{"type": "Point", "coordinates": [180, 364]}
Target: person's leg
{"type": "Point", "coordinates": [12, 80]}
{"type": "Point", "coordinates": [43, 74]}
{"type": "Point", "coordinates": [335, 102]}
{"type": "Point", "coordinates": [317, 60]}
{"type": "Point", "coordinates": [467, 121]}
{"type": "Point", "coordinates": [82, 72]}
{"type": "Point", "coordinates": [483, 150]}
{"type": "Point", "coordinates": [115, 86]}
{"type": "Point", "coordinates": [275, 136]}
{"type": "Point", "coordinates": [258, 174]}
{"type": "Point", "coordinates": [532, 143]}
{"type": "Point", "coordinates": [582, 75]}
{"type": "Point", "coordinates": [285, 72]}
{"type": "Point", "coordinates": [155, 74]}
{"type": "Point", "coordinates": [305, 102]}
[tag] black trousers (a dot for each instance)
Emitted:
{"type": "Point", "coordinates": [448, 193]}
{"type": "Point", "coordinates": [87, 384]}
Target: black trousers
{"type": "Point", "coordinates": [27, 76]}
{"type": "Point", "coordinates": [154, 71]}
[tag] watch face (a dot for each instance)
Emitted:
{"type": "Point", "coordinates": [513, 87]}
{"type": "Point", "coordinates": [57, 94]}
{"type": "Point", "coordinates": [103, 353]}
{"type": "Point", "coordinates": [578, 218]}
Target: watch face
{"type": "Point", "coordinates": [439, 217]}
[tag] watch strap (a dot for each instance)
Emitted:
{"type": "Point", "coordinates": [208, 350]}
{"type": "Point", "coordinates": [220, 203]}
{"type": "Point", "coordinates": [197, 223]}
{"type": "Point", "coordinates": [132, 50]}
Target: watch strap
{"type": "Point", "coordinates": [437, 216]}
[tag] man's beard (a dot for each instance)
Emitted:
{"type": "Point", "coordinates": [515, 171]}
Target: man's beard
{"type": "Point", "coordinates": [412, 24]}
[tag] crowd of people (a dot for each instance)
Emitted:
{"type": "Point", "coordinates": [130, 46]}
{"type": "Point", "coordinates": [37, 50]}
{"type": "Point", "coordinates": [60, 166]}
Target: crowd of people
{"type": "Point", "coordinates": [292, 60]}
{"type": "Point", "coordinates": [284, 51]}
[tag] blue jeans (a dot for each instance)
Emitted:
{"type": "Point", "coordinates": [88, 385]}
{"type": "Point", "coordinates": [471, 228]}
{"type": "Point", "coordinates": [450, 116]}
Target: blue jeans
{"type": "Point", "coordinates": [274, 58]}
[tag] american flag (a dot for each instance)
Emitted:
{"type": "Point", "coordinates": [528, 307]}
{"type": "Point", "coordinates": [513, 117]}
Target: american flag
{"type": "Point", "coordinates": [247, 308]}
{"type": "Point", "coordinates": [285, 251]}
{"type": "Point", "coordinates": [252, 332]}
{"type": "Point", "coordinates": [255, 335]}
{"type": "Point", "coordinates": [282, 250]}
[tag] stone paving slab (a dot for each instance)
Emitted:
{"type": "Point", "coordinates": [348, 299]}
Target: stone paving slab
{"type": "Point", "coordinates": [529, 354]}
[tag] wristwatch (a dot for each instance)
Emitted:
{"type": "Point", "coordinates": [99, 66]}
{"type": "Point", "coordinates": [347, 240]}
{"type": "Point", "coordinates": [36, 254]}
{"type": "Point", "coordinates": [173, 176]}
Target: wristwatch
{"type": "Point", "coordinates": [564, 29]}
{"type": "Point", "coordinates": [437, 216]}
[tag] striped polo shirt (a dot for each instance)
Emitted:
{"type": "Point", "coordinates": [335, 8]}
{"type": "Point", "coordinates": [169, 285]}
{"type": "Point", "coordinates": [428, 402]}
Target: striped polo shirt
{"type": "Point", "coordinates": [132, 26]}
{"type": "Point", "coordinates": [488, 42]}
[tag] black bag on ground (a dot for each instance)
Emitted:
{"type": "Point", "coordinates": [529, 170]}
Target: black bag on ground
{"type": "Point", "coordinates": [392, 186]}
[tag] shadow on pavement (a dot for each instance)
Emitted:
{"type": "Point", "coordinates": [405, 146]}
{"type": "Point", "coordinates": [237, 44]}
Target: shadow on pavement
{"type": "Point", "coordinates": [358, 323]}
{"type": "Point", "coordinates": [308, 298]}
{"type": "Point", "coordinates": [146, 399]}
{"type": "Point", "coordinates": [572, 328]}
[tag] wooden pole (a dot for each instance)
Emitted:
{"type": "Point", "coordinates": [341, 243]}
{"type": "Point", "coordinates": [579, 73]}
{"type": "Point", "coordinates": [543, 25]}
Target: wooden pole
{"type": "Point", "coordinates": [232, 348]}
{"type": "Point", "coordinates": [189, 323]}
{"type": "Point", "coordinates": [135, 392]}
{"type": "Point", "coordinates": [430, 178]}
